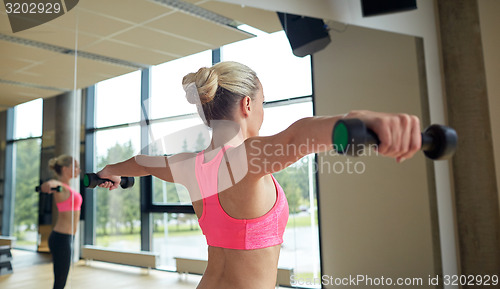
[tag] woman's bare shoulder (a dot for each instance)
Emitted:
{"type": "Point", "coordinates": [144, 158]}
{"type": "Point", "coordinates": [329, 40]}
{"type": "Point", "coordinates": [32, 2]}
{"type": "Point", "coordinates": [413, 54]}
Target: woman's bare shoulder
{"type": "Point", "coordinates": [182, 157]}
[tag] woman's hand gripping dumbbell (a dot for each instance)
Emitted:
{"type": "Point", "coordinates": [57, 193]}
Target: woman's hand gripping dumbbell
{"type": "Point", "coordinates": [92, 180]}
{"type": "Point", "coordinates": [351, 136]}
{"type": "Point", "coordinates": [49, 187]}
{"type": "Point", "coordinates": [57, 189]}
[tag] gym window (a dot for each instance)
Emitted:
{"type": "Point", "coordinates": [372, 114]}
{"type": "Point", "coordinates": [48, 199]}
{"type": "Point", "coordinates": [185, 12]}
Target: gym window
{"type": "Point", "coordinates": [22, 172]}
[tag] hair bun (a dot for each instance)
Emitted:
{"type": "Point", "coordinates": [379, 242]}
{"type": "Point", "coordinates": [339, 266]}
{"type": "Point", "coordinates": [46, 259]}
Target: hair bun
{"type": "Point", "coordinates": [205, 86]}
{"type": "Point", "coordinates": [56, 163]}
{"type": "Point", "coordinates": [53, 163]}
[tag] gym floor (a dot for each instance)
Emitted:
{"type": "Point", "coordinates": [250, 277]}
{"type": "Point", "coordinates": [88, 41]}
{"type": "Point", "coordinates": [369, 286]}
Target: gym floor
{"type": "Point", "coordinates": [34, 270]}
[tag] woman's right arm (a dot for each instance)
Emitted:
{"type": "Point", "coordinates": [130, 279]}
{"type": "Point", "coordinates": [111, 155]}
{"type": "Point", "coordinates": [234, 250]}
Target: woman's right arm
{"type": "Point", "coordinates": [144, 165]}
{"type": "Point", "coordinates": [399, 136]}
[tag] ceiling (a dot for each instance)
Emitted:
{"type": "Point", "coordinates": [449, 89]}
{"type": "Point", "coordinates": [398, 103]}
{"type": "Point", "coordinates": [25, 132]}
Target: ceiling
{"type": "Point", "coordinates": [111, 38]}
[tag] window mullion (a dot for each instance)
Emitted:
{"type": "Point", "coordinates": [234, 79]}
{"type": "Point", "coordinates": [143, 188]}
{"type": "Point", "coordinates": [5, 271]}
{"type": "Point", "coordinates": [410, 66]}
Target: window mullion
{"type": "Point", "coordinates": [146, 183]}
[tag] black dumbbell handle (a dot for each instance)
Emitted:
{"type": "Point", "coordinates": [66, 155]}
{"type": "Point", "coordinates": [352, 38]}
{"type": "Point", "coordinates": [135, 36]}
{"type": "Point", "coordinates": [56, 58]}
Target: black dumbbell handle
{"type": "Point", "coordinates": [57, 189]}
{"type": "Point", "coordinates": [438, 141]}
{"type": "Point", "coordinates": [91, 180]}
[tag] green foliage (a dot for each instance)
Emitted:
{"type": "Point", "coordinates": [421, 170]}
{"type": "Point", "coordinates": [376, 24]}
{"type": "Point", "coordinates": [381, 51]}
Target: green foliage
{"type": "Point", "coordinates": [27, 160]}
{"type": "Point", "coordinates": [119, 207]}
{"type": "Point", "coordinates": [295, 182]}
{"type": "Point", "coordinates": [200, 143]}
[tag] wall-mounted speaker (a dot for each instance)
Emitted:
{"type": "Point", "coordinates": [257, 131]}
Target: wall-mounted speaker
{"type": "Point", "coordinates": [306, 35]}
{"type": "Point", "coordinates": [378, 7]}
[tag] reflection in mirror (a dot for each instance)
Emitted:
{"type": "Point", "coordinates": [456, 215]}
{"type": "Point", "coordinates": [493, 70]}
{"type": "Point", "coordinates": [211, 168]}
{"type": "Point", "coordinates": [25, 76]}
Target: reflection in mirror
{"type": "Point", "coordinates": [39, 57]}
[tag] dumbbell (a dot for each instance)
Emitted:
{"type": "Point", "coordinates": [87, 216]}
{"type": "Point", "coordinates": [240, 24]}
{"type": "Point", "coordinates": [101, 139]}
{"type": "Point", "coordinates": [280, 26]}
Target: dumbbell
{"type": "Point", "coordinates": [57, 189]}
{"type": "Point", "coordinates": [350, 136]}
{"type": "Point", "coordinates": [92, 180]}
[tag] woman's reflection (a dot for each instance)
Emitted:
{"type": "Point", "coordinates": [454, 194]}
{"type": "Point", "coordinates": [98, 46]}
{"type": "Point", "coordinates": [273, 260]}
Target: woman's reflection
{"type": "Point", "coordinates": [68, 202]}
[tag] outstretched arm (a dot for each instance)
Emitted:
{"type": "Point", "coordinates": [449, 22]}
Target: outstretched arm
{"type": "Point", "coordinates": [143, 165]}
{"type": "Point", "coordinates": [399, 136]}
{"type": "Point", "coordinates": [48, 186]}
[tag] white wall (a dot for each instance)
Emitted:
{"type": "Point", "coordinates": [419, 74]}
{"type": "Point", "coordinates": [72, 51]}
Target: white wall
{"type": "Point", "coordinates": [490, 22]}
{"type": "Point", "coordinates": [377, 222]}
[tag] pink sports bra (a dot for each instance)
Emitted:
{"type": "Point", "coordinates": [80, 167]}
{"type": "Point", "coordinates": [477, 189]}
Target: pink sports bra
{"type": "Point", "coordinates": [73, 203]}
{"type": "Point", "coordinates": [222, 230]}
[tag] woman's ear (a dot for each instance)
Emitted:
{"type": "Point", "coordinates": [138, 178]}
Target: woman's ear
{"type": "Point", "coordinates": [65, 170]}
{"type": "Point", "coordinates": [245, 105]}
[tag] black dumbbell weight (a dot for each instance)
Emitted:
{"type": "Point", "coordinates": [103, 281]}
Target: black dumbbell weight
{"type": "Point", "coordinates": [92, 180]}
{"type": "Point", "coordinates": [57, 189]}
{"type": "Point", "coordinates": [351, 136]}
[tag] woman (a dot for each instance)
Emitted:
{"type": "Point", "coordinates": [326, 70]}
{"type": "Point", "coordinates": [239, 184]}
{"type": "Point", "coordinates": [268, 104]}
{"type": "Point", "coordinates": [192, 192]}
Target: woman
{"type": "Point", "coordinates": [68, 203]}
{"type": "Point", "coordinates": [241, 208]}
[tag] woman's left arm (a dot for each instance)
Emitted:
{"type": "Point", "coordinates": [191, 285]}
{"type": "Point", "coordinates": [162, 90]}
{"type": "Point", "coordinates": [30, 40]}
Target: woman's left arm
{"type": "Point", "coordinates": [48, 186]}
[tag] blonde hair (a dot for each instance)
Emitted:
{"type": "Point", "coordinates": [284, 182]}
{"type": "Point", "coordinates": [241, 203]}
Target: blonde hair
{"type": "Point", "coordinates": [219, 88]}
{"type": "Point", "coordinates": [56, 164]}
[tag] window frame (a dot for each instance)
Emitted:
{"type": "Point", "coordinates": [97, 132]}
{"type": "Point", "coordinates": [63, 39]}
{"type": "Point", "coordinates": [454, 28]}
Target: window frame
{"type": "Point", "coordinates": [9, 197]}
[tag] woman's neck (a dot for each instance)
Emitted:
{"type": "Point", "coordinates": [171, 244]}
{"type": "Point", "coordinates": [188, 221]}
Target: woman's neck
{"type": "Point", "coordinates": [64, 179]}
{"type": "Point", "coordinates": [226, 132]}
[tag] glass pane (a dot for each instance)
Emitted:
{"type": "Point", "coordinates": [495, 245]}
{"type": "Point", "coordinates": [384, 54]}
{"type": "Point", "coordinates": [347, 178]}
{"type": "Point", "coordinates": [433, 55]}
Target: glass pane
{"type": "Point", "coordinates": [27, 171]}
{"type": "Point", "coordinates": [106, 140]}
{"type": "Point", "coordinates": [118, 211]}
{"type": "Point", "coordinates": [282, 74]}
{"type": "Point", "coordinates": [170, 193]}
{"type": "Point", "coordinates": [28, 119]}
{"type": "Point", "coordinates": [278, 118]}
{"type": "Point", "coordinates": [171, 137]}
{"type": "Point", "coordinates": [167, 95]}
{"type": "Point", "coordinates": [175, 136]}
{"type": "Point", "coordinates": [300, 249]}
{"type": "Point", "coordinates": [178, 235]}
{"type": "Point", "coordinates": [118, 100]}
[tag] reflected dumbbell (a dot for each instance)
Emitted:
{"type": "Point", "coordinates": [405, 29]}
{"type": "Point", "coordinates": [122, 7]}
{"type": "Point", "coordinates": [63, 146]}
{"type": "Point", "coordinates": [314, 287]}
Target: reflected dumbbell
{"type": "Point", "coordinates": [57, 189]}
{"type": "Point", "coordinates": [351, 136]}
{"type": "Point", "coordinates": [92, 180]}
